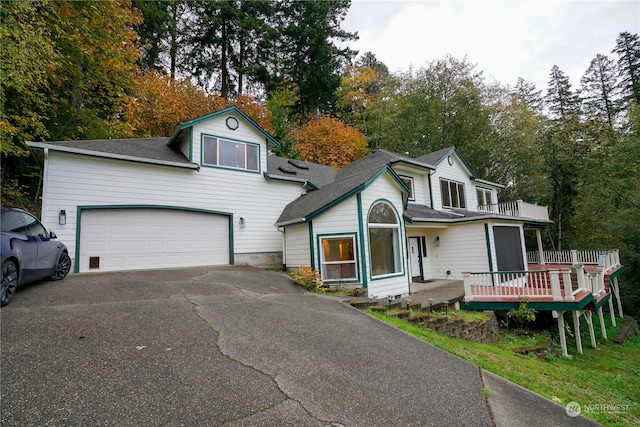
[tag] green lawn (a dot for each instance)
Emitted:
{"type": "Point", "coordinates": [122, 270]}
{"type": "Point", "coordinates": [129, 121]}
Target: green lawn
{"type": "Point", "coordinates": [607, 375]}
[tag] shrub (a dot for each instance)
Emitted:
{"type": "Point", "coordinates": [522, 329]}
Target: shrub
{"type": "Point", "coordinates": [307, 277]}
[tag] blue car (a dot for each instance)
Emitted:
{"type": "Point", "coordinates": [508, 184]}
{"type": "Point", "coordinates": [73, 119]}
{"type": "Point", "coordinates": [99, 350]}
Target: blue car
{"type": "Point", "coordinates": [29, 252]}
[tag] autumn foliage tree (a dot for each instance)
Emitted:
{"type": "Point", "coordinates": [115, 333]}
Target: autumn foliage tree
{"type": "Point", "coordinates": [330, 142]}
{"type": "Point", "coordinates": [159, 104]}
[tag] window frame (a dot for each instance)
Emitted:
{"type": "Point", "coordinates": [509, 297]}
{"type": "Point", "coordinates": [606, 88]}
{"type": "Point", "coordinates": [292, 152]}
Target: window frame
{"type": "Point", "coordinates": [487, 196]}
{"type": "Point", "coordinates": [460, 190]}
{"type": "Point", "coordinates": [324, 263]}
{"type": "Point", "coordinates": [396, 244]}
{"type": "Point", "coordinates": [410, 185]}
{"type": "Point", "coordinates": [251, 153]}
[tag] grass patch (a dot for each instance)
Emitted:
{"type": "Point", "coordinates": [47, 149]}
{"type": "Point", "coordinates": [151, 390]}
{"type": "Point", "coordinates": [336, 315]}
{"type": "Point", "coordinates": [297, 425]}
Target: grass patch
{"type": "Point", "coordinates": [607, 375]}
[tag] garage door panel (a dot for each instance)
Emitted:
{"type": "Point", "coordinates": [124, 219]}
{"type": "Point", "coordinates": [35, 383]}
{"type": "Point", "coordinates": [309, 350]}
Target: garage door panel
{"type": "Point", "coordinates": [152, 238]}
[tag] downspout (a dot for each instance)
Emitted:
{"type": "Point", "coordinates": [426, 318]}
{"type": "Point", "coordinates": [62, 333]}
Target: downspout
{"type": "Point", "coordinates": [284, 247]}
{"type": "Point", "coordinates": [430, 190]}
{"type": "Point", "coordinates": [45, 172]}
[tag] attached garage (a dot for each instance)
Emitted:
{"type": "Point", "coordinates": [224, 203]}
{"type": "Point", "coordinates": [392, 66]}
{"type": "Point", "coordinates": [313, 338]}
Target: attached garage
{"type": "Point", "coordinates": [134, 238]}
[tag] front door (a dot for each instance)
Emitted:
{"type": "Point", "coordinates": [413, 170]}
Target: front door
{"type": "Point", "coordinates": [414, 256]}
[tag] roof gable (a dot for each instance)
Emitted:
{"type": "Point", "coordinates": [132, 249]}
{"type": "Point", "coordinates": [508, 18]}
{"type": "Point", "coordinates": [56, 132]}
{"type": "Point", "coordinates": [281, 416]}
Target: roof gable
{"type": "Point", "coordinates": [229, 110]}
{"type": "Point", "coordinates": [437, 157]}
{"type": "Point", "coordinates": [377, 159]}
{"type": "Point", "coordinates": [312, 204]}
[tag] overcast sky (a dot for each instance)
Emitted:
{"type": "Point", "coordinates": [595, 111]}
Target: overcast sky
{"type": "Point", "coordinates": [506, 39]}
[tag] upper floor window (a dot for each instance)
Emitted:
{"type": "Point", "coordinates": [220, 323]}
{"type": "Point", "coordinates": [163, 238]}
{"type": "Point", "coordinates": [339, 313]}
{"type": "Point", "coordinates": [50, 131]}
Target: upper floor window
{"type": "Point", "coordinates": [484, 196]}
{"type": "Point", "coordinates": [452, 194]}
{"type": "Point", "coordinates": [408, 181]}
{"type": "Point", "coordinates": [230, 154]}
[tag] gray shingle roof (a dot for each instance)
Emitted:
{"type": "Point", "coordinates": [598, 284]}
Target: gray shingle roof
{"type": "Point", "coordinates": [318, 175]}
{"type": "Point", "coordinates": [424, 213]}
{"type": "Point", "coordinates": [435, 157]}
{"type": "Point", "coordinates": [316, 201]}
{"type": "Point", "coordinates": [376, 160]}
{"type": "Point", "coordinates": [144, 149]}
{"type": "Point", "coordinates": [348, 180]}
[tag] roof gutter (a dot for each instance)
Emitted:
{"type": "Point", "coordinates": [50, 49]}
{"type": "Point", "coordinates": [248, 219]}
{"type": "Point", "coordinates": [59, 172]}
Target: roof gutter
{"type": "Point", "coordinates": [290, 222]}
{"type": "Point", "coordinates": [304, 182]}
{"type": "Point", "coordinates": [478, 218]}
{"type": "Point", "coordinates": [43, 146]}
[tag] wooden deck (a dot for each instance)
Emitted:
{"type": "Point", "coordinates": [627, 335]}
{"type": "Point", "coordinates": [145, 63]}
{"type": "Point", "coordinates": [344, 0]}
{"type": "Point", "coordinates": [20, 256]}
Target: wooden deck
{"type": "Point", "coordinates": [503, 290]}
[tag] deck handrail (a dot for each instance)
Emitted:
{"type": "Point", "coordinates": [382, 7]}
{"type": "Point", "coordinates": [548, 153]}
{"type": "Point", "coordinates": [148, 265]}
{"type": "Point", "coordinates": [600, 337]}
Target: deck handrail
{"type": "Point", "coordinates": [516, 208]}
{"type": "Point", "coordinates": [607, 259]}
{"type": "Point", "coordinates": [554, 283]}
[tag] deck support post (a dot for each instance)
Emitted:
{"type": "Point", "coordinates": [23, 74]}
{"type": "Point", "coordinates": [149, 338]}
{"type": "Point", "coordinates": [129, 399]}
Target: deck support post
{"type": "Point", "coordinates": [616, 292]}
{"type": "Point", "coordinates": [563, 339]}
{"type": "Point", "coordinates": [592, 334]}
{"type": "Point", "coordinates": [576, 329]}
{"type": "Point", "coordinates": [602, 325]}
{"type": "Point", "coordinates": [612, 312]}
{"type": "Point", "coordinates": [541, 259]}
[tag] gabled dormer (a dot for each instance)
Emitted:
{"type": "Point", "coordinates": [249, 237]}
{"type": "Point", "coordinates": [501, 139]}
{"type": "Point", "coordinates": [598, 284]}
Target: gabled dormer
{"type": "Point", "coordinates": [455, 185]}
{"type": "Point", "coordinates": [226, 140]}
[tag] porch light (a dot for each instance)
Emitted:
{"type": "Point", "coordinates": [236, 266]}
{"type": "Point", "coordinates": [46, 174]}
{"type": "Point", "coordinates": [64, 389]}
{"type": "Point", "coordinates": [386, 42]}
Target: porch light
{"type": "Point", "coordinates": [62, 217]}
{"type": "Point", "coordinates": [242, 222]}
{"type": "Point", "coordinates": [438, 241]}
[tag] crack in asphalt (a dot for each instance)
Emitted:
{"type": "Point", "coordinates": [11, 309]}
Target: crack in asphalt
{"type": "Point", "coordinates": [287, 397]}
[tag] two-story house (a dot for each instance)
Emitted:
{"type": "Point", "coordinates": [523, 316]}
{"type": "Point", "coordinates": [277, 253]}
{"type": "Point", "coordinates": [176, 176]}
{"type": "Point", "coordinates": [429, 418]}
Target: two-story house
{"type": "Point", "coordinates": [213, 194]}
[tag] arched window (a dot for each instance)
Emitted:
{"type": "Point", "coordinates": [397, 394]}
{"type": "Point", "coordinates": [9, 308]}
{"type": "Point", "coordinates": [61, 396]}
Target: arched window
{"type": "Point", "coordinates": [384, 240]}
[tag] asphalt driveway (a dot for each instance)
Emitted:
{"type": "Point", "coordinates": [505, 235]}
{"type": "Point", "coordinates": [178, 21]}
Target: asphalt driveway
{"type": "Point", "coordinates": [229, 346]}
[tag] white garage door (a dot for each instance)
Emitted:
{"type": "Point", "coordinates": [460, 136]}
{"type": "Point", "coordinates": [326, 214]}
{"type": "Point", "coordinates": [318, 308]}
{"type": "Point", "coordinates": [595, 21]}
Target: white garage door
{"type": "Point", "coordinates": [130, 239]}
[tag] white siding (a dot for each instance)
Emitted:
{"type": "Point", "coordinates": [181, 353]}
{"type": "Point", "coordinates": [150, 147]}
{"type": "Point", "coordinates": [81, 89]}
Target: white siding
{"type": "Point", "coordinates": [80, 181]}
{"type": "Point", "coordinates": [297, 246]}
{"type": "Point", "coordinates": [421, 190]}
{"type": "Point", "coordinates": [458, 173]}
{"type": "Point", "coordinates": [463, 247]}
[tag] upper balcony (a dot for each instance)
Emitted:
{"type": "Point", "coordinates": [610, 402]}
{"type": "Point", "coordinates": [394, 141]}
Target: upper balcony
{"type": "Point", "coordinates": [517, 209]}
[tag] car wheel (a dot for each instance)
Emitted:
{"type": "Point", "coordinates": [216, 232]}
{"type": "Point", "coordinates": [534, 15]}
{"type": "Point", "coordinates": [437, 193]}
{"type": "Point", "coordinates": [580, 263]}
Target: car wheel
{"type": "Point", "coordinates": [9, 282]}
{"type": "Point", "coordinates": [62, 267]}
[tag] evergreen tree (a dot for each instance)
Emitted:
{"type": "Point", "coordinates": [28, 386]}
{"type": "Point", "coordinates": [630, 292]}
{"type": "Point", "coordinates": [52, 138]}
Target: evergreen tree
{"type": "Point", "coordinates": [526, 92]}
{"type": "Point", "coordinates": [153, 31]}
{"type": "Point", "coordinates": [598, 92]}
{"type": "Point", "coordinates": [628, 50]}
{"type": "Point", "coordinates": [310, 58]}
{"type": "Point", "coordinates": [230, 43]}
{"type": "Point", "coordinates": [560, 100]}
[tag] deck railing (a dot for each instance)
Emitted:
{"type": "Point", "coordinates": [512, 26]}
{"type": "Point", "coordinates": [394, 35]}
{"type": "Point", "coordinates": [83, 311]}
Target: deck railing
{"type": "Point", "coordinates": [607, 259]}
{"type": "Point", "coordinates": [559, 285]}
{"type": "Point", "coordinates": [518, 208]}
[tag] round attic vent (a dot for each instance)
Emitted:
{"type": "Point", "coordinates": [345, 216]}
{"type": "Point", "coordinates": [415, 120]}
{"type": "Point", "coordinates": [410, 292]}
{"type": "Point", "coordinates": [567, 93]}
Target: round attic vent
{"type": "Point", "coordinates": [232, 123]}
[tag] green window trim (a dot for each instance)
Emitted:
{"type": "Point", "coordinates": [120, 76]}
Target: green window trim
{"type": "Point", "coordinates": [344, 257]}
{"type": "Point", "coordinates": [227, 153]}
